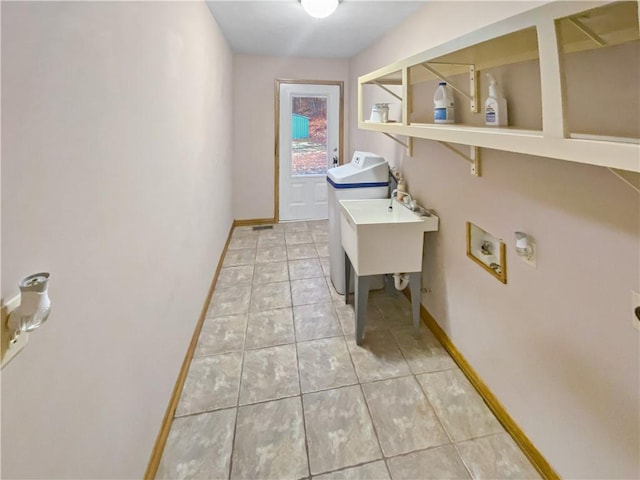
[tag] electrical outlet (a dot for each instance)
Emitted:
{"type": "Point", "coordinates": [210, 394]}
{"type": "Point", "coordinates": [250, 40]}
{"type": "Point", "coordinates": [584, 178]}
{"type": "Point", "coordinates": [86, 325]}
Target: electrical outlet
{"type": "Point", "coordinates": [10, 350]}
{"type": "Point", "coordinates": [531, 259]}
{"type": "Point", "coordinates": [635, 312]}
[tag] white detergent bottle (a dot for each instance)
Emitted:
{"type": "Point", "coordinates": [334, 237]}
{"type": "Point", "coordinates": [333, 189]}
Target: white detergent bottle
{"type": "Point", "coordinates": [495, 106]}
{"type": "Point", "coordinates": [443, 107]}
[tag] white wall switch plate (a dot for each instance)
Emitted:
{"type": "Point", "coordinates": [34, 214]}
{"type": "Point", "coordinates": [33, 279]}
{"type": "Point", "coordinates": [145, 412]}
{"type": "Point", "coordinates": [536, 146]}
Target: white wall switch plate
{"type": "Point", "coordinates": [635, 303]}
{"type": "Point", "coordinates": [10, 350]}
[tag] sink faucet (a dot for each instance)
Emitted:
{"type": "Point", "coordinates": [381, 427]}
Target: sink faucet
{"type": "Point", "coordinates": [408, 204]}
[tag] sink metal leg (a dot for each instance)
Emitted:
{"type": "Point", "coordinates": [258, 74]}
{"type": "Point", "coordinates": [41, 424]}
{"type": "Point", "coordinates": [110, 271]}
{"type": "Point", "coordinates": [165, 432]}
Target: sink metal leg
{"type": "Point", "coordinates": [361, 294]}
{"type": "Point", "coordinates": [347, 277]}
{"type": "Point", "coordinates": [415, 283]}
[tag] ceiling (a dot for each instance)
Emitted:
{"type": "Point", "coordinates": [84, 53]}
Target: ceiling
{"type": "Point", "coordinates": [282, 28]}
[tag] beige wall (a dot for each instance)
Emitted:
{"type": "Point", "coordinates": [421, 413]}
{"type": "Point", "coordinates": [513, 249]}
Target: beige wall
{"type": "Point", "coordinates": [253, 164]}
{"type": "Point", "coordinates": [116, 178]}
{"type": "Point", "coordinates": [556, 343]}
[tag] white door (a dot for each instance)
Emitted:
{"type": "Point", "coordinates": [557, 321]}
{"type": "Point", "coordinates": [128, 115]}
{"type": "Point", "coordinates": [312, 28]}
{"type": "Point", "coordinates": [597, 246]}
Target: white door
{"type": "Point", "coordinates": [308, 144]}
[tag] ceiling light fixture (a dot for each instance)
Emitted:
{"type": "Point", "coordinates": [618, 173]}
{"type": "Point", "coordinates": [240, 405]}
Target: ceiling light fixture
{"type": "Point", "coordinates": [319, 8]}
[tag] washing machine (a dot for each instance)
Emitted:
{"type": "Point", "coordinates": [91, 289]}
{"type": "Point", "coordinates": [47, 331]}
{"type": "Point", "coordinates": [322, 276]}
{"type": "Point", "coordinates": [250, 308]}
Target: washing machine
{"type": "Point", "coordinates": [366, 176]}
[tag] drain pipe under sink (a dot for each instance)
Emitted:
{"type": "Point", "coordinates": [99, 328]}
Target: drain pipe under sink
{"type": "Point", "coordinates": [400, 280]}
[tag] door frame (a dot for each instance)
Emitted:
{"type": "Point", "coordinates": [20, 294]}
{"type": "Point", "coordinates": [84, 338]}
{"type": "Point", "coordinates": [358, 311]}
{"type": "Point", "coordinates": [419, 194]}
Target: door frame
{"type": "Point", "coordinates": [278, 82]}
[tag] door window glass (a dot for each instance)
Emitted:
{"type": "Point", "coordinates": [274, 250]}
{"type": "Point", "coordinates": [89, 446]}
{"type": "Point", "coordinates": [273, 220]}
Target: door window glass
{"type": "Point", "coordinates": [309, 135]}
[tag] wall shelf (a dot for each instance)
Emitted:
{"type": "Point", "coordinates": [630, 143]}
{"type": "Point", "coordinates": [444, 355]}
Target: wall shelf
{"type": "Point", "coordinates": [543, 34]}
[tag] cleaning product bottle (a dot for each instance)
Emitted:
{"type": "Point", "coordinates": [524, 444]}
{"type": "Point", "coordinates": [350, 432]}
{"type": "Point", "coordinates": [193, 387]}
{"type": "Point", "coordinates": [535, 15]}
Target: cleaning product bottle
{"type": "Point", "coordinates": [443, 107]}
{"type": "Point", "coordinates": [495, 106]}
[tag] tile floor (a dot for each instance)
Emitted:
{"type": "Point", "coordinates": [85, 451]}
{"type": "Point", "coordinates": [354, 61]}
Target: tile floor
{"type": "Point", "coordinates": [278, 388]}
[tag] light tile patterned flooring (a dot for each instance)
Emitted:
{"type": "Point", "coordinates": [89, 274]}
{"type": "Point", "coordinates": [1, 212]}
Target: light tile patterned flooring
{"type": "Point", "coordinates": [278, 388]}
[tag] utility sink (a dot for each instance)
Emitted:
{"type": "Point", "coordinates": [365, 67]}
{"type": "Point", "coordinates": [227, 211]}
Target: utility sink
{"type": "Point", "coordinates": [378, 240]}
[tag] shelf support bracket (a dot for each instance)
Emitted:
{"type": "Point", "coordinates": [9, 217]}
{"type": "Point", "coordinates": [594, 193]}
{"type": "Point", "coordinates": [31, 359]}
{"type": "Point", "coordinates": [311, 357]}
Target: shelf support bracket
{"type": "Point", "coordinates": [408, 145]}
{"type": "Point", "coordinates": [389, 91]}
{"type": "Point", "coordinates": [473, 88]}
{"type": "Point", "coordinates": [630, 178]}
{"type": "Point", "coordinates": [473, 85]}
{"type": "Point", "coordinates": [597, 39]}
{"type": "Point", "coordinates": [473, 158]}
{"type": "Point", "coordinates": [554, 99]}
